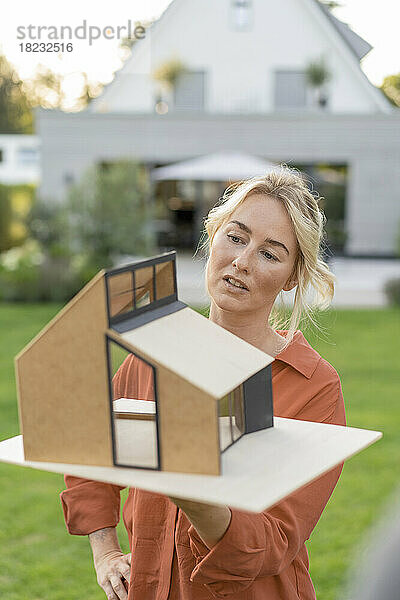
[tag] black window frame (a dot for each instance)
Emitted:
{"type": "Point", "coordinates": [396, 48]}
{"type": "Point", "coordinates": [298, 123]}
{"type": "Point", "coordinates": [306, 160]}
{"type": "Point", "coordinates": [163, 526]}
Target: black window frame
{"type": "Point", "coordinates": [108, 340]}
{"type": "Point", "coordinates": [157, 303]}
{"type": "Point", "coordinates": [229, 396]}
{"type": "Point", "coordinates": [257, 396]}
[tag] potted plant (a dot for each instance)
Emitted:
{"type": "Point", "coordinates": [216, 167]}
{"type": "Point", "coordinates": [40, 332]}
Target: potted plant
{"type": "Point", "coordinates": [317, 75]}
{"type": "Point", "coordinates": [167, 74]}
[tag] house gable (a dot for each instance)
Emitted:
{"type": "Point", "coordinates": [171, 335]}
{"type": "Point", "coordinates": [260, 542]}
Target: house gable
{"type": "Point", "coordinates": [240, 77]}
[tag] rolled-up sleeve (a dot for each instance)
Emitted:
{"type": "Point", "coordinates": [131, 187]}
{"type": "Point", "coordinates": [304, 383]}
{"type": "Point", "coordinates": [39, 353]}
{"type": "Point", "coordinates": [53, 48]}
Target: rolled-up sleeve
{"type": "Point", "coordinates": [89, 505]}
{"type": "Point", "coordinates": [265, 544]}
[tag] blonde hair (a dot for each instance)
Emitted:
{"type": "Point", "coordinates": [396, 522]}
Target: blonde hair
{"type": "Point", "coordinates": [310, 270]}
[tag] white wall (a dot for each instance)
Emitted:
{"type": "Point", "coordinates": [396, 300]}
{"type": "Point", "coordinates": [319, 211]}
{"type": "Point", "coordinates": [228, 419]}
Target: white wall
{"type": "Point", "coordinates": [240, 65]}
{"type": "Point", "coordinates": [15, 165]}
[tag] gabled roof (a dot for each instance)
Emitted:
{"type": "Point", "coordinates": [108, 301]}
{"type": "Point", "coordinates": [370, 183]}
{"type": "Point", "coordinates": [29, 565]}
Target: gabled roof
{"type": "Point", "coordinates": [352, 43]}
{"type": "Point", "coordinates": [351, 49]}
{"type": "Point", "coordinates": [198, 351]}
{"type": "Point", "coordinates": [357, 44]}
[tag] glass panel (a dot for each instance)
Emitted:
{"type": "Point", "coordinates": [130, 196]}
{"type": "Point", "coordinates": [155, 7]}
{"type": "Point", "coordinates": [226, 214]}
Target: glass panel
{"type": "Point", "coordinates": [238, 425]}
{"type": "Point", "coordinates": [224, 419]}
{"type": "Point", "coordinates": [134, 416]}
{"type": "Point", "coordinates": [120, 289]}
{"type": "Point", "coordinates": [144, 290]}
{"type": "Point", "coordinates": [165, 279]}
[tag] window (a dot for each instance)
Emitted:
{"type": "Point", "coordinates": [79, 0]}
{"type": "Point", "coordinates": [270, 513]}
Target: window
{"type": "Point", "coordinates": [27, 156]}
{"type": "Point", "coordinates": [241, 15]}
{"type": "Point", "coordinates": [137, 289]}
{"type": "Point", "coordinates": [290, 89]}
{"type": "Point", "coordinates": [231, 418]}
{"type": "Point", "coordinates": [134, 420]}
{"type": "Point", "coordinates": [189, 91]}
{"type": "Point", "coordinates": [120, 289]}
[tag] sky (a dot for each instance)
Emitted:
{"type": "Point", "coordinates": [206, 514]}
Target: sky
{"type": "Point", "coordinates": [376, 21]}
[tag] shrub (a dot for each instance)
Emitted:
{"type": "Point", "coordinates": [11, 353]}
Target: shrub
{"type": "Point", "coordinates": [109, 213]}
{"type": "Point", "coordinates": [5, 218]}
{"type": "Point", "coordinates": [105, 215]}
{"type": "Point", "coordinates": [392, 291]}
{"type": "Point", "coordinates": [20, 272]}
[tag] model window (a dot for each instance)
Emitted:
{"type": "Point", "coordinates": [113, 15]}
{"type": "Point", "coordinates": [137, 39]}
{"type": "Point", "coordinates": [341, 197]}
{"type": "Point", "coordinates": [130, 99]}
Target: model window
{"type": "Point", "coordinates": [134, 418]}
{"type": "Point", "coordinates": [165, 280]}
{"type": "Point", "coordinates": [231, 418]}
{"type": "Point", "coordinates": [144, 286]}
{"type": "Point", "coordinates": [120, 290]}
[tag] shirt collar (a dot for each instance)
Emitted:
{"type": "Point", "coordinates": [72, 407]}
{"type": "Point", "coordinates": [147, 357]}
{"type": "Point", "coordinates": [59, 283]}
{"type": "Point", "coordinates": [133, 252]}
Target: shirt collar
{"type": "Point", "coordinates": [299, 355]}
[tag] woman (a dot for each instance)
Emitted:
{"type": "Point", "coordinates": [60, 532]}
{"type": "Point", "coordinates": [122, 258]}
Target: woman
{"type": "Point", "coordinates": [264, 237]}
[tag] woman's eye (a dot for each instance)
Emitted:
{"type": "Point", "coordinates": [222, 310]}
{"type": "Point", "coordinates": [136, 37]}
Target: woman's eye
{"type": "Point", "coordinates": [234, 238]}
{"type": "Point", "coordinates": [269, 256]}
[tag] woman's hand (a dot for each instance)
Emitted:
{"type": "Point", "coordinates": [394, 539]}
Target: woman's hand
{"type": "Point", "coordinates": [112, 566]}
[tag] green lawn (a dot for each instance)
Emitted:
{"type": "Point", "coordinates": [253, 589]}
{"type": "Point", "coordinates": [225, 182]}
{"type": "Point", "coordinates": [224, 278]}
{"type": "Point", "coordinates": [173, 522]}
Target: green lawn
{"type": "Point", "coordinates": [40, 561]}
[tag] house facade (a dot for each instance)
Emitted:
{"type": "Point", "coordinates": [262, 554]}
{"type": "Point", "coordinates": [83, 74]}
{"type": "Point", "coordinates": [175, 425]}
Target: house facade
{"type": "Point", "coordinates": [279, 80]}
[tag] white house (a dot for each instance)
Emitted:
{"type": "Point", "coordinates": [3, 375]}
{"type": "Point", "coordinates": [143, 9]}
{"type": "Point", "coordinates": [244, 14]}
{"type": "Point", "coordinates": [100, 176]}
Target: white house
{"type": "Point", "coordinates": [19, 159]}
{"type": "Point", "coordinates": [243, 87]}
{"type": "Point", "coordinates": [245, 56]}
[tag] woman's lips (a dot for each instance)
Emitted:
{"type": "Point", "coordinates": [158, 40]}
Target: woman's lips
{"type": "Point", "coordinates": [232, 287]}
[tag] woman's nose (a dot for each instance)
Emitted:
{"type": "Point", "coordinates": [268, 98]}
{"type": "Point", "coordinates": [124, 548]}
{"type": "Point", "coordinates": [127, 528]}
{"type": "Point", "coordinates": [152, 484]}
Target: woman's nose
{"type": "Point", "coordinates": [241, 262]}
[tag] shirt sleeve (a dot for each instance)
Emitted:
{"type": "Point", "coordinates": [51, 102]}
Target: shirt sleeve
{"type": "Point", "coordinates": [92, 505]}
{"type": "Point", "coordinates": [264, 544]}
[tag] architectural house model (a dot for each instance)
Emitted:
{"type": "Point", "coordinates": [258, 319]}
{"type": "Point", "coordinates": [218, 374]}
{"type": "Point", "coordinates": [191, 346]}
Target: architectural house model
{"type": "Point", "coordinates": [207, 387]}
{"type": "Point", "coordinates": [198, 420]}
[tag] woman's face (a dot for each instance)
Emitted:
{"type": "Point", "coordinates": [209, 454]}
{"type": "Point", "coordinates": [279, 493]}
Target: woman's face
{"type": "Point", "coordinates": [252, 256]}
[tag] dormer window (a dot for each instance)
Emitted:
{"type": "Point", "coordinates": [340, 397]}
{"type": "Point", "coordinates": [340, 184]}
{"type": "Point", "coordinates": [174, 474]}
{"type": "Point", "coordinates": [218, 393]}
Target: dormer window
{"type": "Point", "coordinates": [241, 14]}
{"type": "Point", "coordinates": [140, 288]}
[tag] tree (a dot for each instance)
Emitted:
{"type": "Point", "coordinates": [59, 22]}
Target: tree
{"type": "Point", "coordinates": [391, 88]}
{"type": "Point", "coordinates": [109, 213]}
{"type": "Point", "coordinates": [47, 88]}
{"type": "Point", "coordinates": [129, 42]}
{"type": "Point", "coordinates": [15, 109]}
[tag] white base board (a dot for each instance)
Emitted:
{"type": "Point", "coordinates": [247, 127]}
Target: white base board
{"type": "Point", "coordinates": [258, 471]}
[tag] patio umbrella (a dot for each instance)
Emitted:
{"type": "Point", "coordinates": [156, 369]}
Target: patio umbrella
{"type": "Point", "coordinates": [219, 166]}
{"type": "Point", "coordinates": [226, 166]}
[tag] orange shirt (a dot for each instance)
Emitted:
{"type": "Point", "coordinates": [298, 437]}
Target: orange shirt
{"type": "Point", "coordinates": [261, 556]}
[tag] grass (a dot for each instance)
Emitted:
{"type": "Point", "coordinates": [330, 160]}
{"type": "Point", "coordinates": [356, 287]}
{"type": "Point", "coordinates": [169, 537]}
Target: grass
{"type": "Point", "coordinates": [40, 561]}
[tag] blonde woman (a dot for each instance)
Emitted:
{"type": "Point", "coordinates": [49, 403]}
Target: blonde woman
{"type": "Point", "coordinates": [264, 237]}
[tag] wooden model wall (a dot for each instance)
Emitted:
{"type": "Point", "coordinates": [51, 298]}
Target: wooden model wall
{"type": "Point", "coordinates": [62, 391]}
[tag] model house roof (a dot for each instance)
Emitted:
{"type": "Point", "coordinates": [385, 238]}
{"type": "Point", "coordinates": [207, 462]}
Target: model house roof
{"type": "Point", "coordinates": [145, 312]}
{"type": "Point", "coordinates": [210, 357]}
